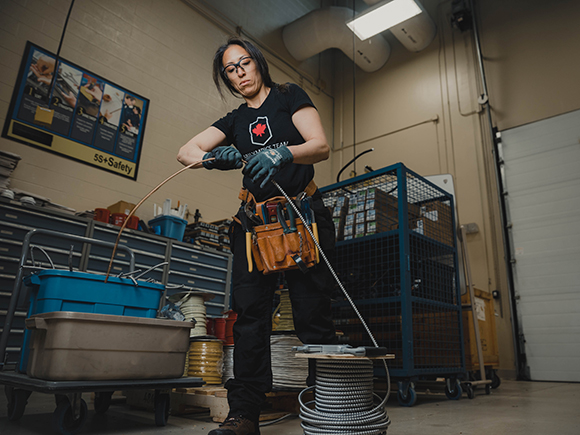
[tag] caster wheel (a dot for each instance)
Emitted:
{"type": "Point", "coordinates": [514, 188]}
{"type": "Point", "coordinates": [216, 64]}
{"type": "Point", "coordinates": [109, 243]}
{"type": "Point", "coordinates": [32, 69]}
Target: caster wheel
{"type": "Point", "coordinates": [162, 403]}
{"type": "Point", "coordinates": [470, 391]}
{"type": "Point", "coordinates": [488, 388]}
{"type": "Point", "coordinates": [102, 402]}
{"type": "Point", "coordinates": [408, 399]}
{"type": "Point", "coordinates": [17, 403]}
{"type": "Point", "coordinates": [453, 390]}
{"type": "Point", "coordinates": [495, 380]}
{"type": "Point", "coordinates": [63, 419]}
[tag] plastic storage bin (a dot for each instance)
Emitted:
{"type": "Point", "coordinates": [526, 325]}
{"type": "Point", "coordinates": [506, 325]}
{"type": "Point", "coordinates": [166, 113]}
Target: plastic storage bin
{"type": "Point", "coordinates": [62, 290]}
{"type": "Point", "coordinates": [69, 346]}
{"type": "Point", "coordinates": [169, 226]}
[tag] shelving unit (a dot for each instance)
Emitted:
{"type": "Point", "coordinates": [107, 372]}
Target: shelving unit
{"type": "Point", "coordinates": [402, 273]}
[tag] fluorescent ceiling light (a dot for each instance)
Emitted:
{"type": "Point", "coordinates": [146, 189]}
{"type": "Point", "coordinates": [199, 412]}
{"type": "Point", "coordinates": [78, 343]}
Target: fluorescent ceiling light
{"type": "Point", "coordinates": [382, 17]}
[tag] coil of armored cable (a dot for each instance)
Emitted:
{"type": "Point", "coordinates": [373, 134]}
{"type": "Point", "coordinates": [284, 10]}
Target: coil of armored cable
{"type": "Point", "coordinates": [228, 363]}
{"type": "Point", "coordinates": [288, 372]}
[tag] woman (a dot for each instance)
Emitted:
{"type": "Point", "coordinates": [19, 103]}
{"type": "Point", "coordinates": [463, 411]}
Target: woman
{"type": "Point", "coordinates": [278, 132]}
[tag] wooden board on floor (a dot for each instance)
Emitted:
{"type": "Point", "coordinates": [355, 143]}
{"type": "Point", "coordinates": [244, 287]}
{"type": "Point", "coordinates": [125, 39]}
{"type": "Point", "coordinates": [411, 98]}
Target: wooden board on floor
{"type": "Point", "coordinates": [214, 399]}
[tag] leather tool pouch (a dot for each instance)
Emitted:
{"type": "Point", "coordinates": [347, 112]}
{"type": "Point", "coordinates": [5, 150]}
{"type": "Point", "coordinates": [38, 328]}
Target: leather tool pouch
{"type": "Point", "coordinates": [282, 245]}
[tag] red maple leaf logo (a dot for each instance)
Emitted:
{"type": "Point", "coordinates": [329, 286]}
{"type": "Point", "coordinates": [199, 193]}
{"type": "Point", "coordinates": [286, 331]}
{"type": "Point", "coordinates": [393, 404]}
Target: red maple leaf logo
{"type": "Point", "coordinates": [259, 129]}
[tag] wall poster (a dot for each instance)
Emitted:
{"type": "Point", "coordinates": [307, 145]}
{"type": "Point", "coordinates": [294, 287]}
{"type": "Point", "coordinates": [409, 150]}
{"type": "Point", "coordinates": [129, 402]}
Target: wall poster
{"type": "Point", "coordinates": [82, 116]}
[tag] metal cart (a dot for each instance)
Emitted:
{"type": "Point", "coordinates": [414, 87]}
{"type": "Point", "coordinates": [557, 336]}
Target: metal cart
{"type": "Point", "coordinates": [396, 255]}
{"type": "Point", "coordinates": [71, 409]}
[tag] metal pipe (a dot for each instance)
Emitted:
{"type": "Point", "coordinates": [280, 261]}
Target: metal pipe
{"type": "Point", "coordinates": [141, 202]}
{"type": "Point", "coordinates": [484, 101]}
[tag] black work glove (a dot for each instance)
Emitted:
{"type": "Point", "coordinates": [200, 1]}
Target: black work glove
{"type": "Point", "coordinates": [226, 158]}
{"type": "Point", "coordinates": [266, 164]}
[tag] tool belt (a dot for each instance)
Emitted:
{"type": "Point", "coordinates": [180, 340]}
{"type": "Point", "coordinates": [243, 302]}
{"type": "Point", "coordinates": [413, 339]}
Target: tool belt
{"type": "Point", "coordinates": [276, 238]}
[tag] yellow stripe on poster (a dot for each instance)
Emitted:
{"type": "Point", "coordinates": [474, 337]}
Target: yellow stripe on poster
{"type": "Point", "coordinates": [78, 151]}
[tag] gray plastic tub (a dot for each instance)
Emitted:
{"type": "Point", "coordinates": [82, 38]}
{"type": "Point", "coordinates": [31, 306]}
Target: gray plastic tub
{"type": "Point", "coordinates": [70, 346]}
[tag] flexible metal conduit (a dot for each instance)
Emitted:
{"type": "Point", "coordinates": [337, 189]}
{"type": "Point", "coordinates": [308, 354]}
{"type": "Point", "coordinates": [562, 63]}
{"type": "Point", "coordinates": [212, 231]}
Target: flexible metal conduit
{"type": "Point", "coordinates": [344, 401]}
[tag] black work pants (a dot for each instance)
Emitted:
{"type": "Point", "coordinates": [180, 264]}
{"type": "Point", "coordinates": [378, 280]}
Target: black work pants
{"type": "Point", "coordinates": [252, 301]}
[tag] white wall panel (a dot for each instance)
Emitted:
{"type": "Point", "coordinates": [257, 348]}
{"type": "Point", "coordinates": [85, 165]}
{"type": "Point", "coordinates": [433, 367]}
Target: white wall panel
{"type": "Point", "coordinates": [542, 179]}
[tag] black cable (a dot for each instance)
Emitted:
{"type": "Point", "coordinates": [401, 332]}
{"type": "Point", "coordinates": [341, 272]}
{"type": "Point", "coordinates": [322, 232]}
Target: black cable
{"type": "Point", "coordinates": [58, 51]}
{"type": "Point", "coordinates": [347, 165]}
{"type": "Point", "coordinates": [350, 161]}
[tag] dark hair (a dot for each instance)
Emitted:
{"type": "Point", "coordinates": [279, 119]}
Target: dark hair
{"type": "Point", "coordinates": [220, 76]}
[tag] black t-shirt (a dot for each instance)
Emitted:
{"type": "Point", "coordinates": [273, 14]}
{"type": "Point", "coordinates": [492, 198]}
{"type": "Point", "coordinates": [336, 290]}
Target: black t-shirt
{"type": "Point", "coordinates": [252, 131]}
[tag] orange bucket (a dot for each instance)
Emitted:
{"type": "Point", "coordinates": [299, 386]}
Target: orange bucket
{"type": "Point", "coordinates": [102, 215]}
{"type": "Point", "coordinates": [231, 318]}
{"type": "Point", "coordinates": [118, 219]}
{"type": "Point", "coordinates": [220, 328]}
{"type": "Point", "coordinates": [133, 223]}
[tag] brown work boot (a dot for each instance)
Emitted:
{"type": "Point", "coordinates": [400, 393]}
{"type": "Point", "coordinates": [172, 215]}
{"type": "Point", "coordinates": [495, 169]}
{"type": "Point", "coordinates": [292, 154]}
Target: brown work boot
{"type": "Point", "coordinates": [237, 426]}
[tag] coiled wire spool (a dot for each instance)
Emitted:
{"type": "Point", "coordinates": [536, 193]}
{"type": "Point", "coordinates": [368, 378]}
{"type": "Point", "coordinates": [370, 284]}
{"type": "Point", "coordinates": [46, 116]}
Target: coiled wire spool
{"type": "Point", "coordinates": [285, 321]}
{"type": "Point", "coordinates": [287, 370]}
{"type": "Point", "coordinates": [344, 400]}
{"type": "Point", "coordinates": [194, 307]}
{"type": "Point", "coordinates": [206, 360]}
{"type": "Point", "coordinates": [228, 363]}
{"type": "Point", "coordinates": [186, 369]}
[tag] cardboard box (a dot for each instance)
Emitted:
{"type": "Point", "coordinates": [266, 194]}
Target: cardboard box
{"type": "Point", "coordinates": [437, 211]}
{"type": "Point", "coordinates": [121, 207]}
{"type": "Point", "coordinates": [339, 211]}
{"type": "Point", "coordinates": [350, 219]}
{"type": "Point", "coordinates": [432, 229]}
{"type": "Point", "coordinates": [435, 221]}
{"type": "Point", "coordinates": [338, 228]}
{"type": "Point", "coordinates": [348, 230]}
{"type": "Point", "coordinates": [485, 315]}
{"type": "Point", "coordinates": [342, 201]}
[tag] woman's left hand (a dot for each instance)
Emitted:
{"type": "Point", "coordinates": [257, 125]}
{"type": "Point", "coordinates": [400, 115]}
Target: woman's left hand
{"type": "Point", "coordinates": [266, 164]}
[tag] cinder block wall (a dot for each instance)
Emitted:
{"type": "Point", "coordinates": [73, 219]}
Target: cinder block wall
{"type": "Point", "coordinates": [160, 49]}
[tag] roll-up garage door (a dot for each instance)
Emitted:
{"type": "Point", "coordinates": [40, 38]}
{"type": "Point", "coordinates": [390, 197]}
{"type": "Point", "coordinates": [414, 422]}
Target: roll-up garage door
{"type": "Point", "coordinates": [542, 180]}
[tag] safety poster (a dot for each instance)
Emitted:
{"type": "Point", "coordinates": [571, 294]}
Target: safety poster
{"type": "Point", "coordinates": [70, 111]}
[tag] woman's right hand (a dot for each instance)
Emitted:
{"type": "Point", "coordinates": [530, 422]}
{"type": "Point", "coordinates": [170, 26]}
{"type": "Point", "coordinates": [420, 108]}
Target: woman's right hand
{"type": "Point", "coordinates": [225, 158]}
{"type": "Point", "coordinates": [201, 145]}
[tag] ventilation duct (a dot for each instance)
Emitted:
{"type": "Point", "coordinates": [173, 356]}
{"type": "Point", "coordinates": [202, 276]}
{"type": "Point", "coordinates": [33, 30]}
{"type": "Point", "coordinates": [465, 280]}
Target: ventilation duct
{"type": "Point", "coordinates": [326, 28]}
{"type": "Point", "coordinates": [416, 33]}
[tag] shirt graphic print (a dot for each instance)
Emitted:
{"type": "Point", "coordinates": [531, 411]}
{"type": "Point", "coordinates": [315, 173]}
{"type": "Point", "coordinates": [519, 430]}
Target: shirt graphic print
{"type": "Point", "coordinates": [260, 132]}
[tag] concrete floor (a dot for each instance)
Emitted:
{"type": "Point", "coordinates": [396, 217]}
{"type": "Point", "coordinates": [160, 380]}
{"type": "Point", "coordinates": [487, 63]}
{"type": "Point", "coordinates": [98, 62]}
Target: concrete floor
{"type": "Point", "coordinates": [514, 408]}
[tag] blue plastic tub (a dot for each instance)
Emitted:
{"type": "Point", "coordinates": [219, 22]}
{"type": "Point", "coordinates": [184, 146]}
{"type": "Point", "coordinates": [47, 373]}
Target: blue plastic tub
{"type": "Point", "coordinates": [169, 226]}
{"type": "Point", "coordinates": [81, 292]}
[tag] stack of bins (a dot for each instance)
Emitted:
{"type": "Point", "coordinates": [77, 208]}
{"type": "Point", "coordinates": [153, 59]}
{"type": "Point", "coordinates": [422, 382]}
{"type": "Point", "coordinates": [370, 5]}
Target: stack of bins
{"type": "Point", "coordinates": [55, 290]}
{"type": "Point", "coordinates": [398, 262]}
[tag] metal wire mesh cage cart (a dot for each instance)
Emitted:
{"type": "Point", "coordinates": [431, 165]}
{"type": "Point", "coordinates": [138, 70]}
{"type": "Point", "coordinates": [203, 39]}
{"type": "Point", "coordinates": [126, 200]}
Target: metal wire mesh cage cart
{"type": "Point", "coordinates": [396, 256]}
